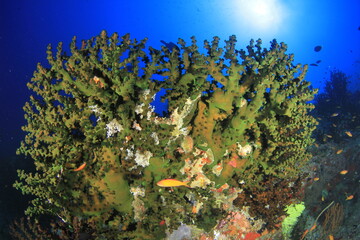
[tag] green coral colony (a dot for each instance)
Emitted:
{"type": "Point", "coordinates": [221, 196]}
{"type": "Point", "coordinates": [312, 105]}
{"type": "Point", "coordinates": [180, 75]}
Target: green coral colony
{"type": "Point", "coordinates": [237, 123]}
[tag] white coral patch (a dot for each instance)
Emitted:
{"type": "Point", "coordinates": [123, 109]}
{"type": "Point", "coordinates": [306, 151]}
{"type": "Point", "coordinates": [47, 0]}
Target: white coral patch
{"type": "Point", "coordinates": [243, 102]}
{"type": "Point", "coordinates": [200, 181]}
{"type": "Point", "coordinates": [138, 205]}
{"type": "Point", "coordinates": [149, 113]}
{"type": "Point", "coordinates": [137, 191]}
{"type": "Point", "coordinates": [243, 151]}
{"type": "Point", "coordinates": [130, 153]}
{"type": "Point", "coordinates": [210, 155]}
{"type": "Point", "coordinates": [146, 93]}
{"type": "Point", "coordinates": [143, 159]}
{"type": "Point", "coordinates": [155, 137]}
{"type": "Point", "coordinates": [113, 127]}
{"type": "Point", "coordinates": [218, 168]}
{"type": "Point", "coordinates": [137, 126]}
{"type": "Point", "coordinates": [97, 111]}
{"type": "Point", "coordinates": [177, 118]}
{"type": "Point", "coordinates": [153, 97]}
{"type": "Point", "coordinates": [179, 131]}
{"type": "Point", "coordinates": [139, 108]}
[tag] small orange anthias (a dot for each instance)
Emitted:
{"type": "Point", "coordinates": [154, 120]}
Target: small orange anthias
{"type": "Point", "coordinates": [81, 167]}
{"type": "Point", "coordinates": [171, 183]}
{"type": "Point", "coordinates": [349, 197]}
{"type": "Point", "coordinates": [348, 133]}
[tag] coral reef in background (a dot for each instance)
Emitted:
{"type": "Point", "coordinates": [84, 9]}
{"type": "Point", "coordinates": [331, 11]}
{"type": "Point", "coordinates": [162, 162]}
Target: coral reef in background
{"type": "Point", "coordinates": [334, 169]}
{"type": "Point", "coordinates": [337, 108]}
{"type": "Point", "coordinates": [333, 178]}
{"type": "Point", "coordinates": [237, 126]}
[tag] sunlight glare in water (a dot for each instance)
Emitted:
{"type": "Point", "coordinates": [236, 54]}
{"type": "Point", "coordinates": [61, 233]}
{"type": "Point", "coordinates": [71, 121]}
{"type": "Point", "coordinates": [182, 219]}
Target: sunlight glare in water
{"type": "Point", "coordinates": [261, 15]}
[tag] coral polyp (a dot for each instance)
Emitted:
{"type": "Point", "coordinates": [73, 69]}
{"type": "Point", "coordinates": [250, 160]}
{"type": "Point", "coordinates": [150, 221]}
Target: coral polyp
{"type": "Point", "coordinates": [237, 122]}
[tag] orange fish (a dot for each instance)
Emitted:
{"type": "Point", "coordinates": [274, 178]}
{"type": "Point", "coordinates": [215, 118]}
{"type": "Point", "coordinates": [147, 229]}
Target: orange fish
{"type": "Point", "coordinates": [331, 237]}
{"type": "Point", "coordinates": [335, 114]}
{"type": "Point", "coordinates": [171, 183]}
{"type": "Point", "coordinates": [339, 151]}
{"type": "Point", "coordinates": [304, 234]}
{"type": "Point", "coordinates": [316, 179]}
{"type": "Point", "coordinates": [82, 166]}
{"type": "Point", "coordinates": [348, 133]}
{"type": "Point", "coordinates": [349, 197]}
{"type": "Point", "coordinates": [194, 209]}
{"type": "Point", "coordinates": [313, 227]}
{"type": "Point", "coordinates": [343, 172]}
{"type": "Point", "coordinates": [307, 231]}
